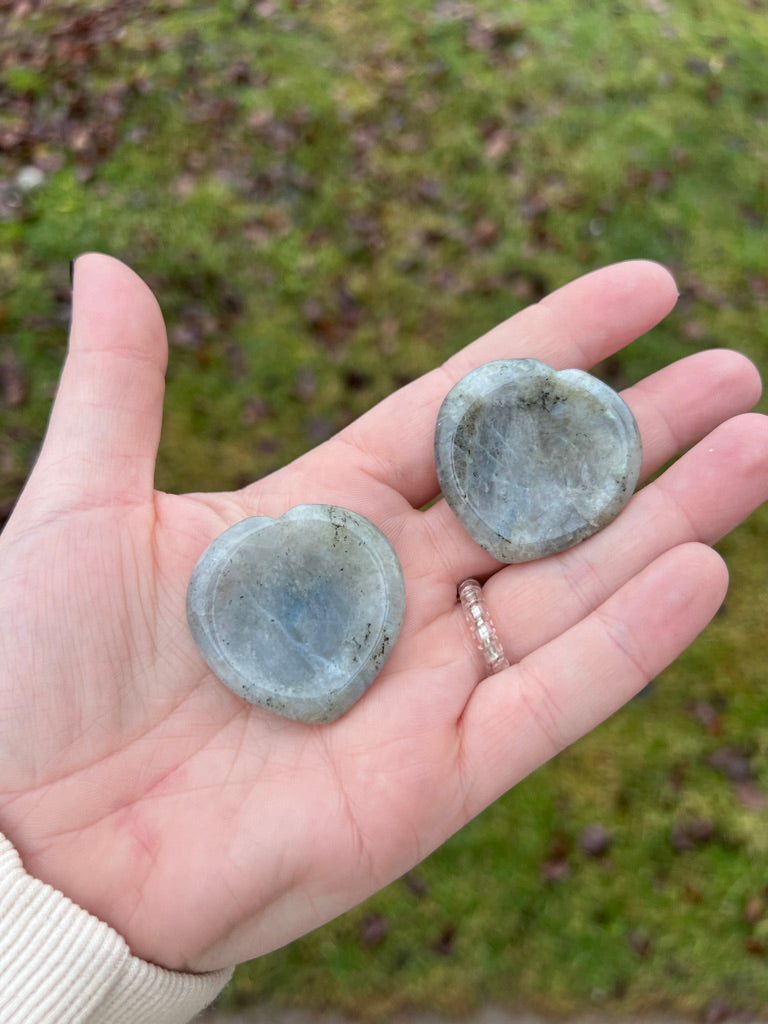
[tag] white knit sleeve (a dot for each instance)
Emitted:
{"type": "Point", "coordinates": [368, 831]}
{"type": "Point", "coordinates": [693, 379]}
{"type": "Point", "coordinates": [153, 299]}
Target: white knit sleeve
{"type": "Point", "coordinates": [61, 965]}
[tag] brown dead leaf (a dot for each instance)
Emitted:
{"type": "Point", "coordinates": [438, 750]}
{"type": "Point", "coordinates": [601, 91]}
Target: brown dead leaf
{"type": "Point", "coordinates": [499, 143]}
{"type": "Point", "coordinates": [416, 884]}
{"type": "Point", "coordinates": [13, 383]}
{"type": "Point", "coordinates": [443, 945]}
{"type": "Point", "coordinates": [708, 715]}
{"type": "Point", "coordinates": [685, 836]}
{"type": "Point", "coordinates": [485, 232]}
{"type": "Point", "coordinates": [754, 911]}
{"type": "Point", "coordinates": [639, 942]}
{"type": "Point", "coordinates": [595, 840]}
{"type": "Point", "coordinates": [749, 795]}
{"type": "Point", "coordinates": [734, 762]}
{"type": "Point", "coordinates": [372, 931]}
{"type": "Point", "coordinates": [717, 1011]}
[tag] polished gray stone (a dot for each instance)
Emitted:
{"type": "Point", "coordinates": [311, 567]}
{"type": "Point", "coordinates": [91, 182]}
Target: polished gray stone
{"type": "Point", "coordinates": [298, 614]}
{"type": "Point", "coordinates": [532, 461]}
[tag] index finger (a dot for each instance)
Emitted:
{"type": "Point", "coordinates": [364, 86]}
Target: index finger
{"type": "Point", "coordinates": [576, 326]}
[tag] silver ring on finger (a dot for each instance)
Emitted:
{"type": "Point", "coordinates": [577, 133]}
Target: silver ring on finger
{"type": "Point", "coordinates": [481, 625]}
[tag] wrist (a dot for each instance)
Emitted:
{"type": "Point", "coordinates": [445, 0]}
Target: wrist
{"type": "Point", "coordinates": [54, 954]}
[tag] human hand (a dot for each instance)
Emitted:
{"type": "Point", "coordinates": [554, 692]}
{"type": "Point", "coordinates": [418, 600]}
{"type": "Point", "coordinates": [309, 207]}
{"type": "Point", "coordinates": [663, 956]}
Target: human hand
{"type": "Point", "coordinates": [207, 831]}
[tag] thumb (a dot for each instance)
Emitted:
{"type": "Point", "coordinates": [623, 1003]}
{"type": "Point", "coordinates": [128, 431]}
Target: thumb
{"type": "Point", "coordinates": [104, 430]}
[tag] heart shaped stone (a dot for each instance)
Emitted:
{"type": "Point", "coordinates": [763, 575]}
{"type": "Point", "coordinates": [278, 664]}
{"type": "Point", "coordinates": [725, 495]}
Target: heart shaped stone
{"type": "Point", "coordinates": [298, 614]}
{"type": "Point", "coordinates": [532, 460]}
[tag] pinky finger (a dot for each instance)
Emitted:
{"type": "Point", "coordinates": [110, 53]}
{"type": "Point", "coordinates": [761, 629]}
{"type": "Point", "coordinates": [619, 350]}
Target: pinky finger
{"type": "Point", "coordinates": [520, 718]}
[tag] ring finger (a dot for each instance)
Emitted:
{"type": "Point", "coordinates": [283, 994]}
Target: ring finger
{"type": "Point", "coordinates": [689, 502]}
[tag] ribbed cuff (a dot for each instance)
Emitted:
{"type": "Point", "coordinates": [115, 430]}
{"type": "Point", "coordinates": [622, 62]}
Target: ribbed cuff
{"type": "Point", "coordinates": [60, 964]}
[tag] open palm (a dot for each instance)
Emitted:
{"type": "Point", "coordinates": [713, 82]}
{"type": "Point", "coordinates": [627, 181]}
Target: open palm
{"type": "Point", "coordinates": [207, 831]}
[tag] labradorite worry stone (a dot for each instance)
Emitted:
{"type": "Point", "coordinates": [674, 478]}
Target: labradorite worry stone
{"type": "Point", "coordinates": [533, 460]}
{"type": "Point", "coordinates": [298, 614]}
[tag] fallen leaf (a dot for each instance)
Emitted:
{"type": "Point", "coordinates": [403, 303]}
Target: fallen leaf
{"type": "Point", "coordinates": [499, 143]}
{"type": "Point", "coordinates": [685, 836]}
{"type": "Point", "coordinates": [595, 840]}
{"type": "Point", "coordinates": [415, 883]}
{"type": "Point", "coordinates": [305, 385]}
{"type": "Point", "coordinates": [639, 942]}
{"type": "Point", "coordinates": [749, 795]}
{"type": "Point", "coordinates": [709, 716]}
{"type": "Point", "coordinates": [355, 380]}
{"type": "Point", "coordinates": [372, 931]}
{"type": "Point", "coordinates": [754, 911]}
{"type": "Point", "coordinates": [484, 232]}
{"type": "Point", "coordinates": [318, 429]}
{"type": "Point", "coordinates": [691, 894]}
{"type": "Point", "coordinates": [444, 944]}
{"type": "Point", "coordinates": [717, 1011]}
{"type": "Point", "coordinates": [555, 870]}
{"type": "Point", "coordinates": [734, 762]}
{"type": "Point", "coordinates": [256, 410]}
{"type": "Point", "coordinates": [13, 384]}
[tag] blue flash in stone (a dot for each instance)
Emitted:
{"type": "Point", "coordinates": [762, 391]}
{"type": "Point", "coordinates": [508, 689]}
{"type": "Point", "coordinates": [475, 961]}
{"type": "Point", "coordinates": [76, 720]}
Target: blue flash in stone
{"type": "Point", "coordinates": [532, 460]}
{"type": "Point", "coordinates": [298, 614]}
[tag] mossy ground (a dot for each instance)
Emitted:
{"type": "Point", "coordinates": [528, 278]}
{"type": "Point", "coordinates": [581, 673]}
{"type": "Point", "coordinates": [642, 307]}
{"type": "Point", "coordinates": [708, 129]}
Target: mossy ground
{"type": "Point", "coordinates": [328, 200]}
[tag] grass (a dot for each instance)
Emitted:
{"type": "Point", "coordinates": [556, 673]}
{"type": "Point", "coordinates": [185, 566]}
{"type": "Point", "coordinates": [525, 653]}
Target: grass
{"type": "Point", "coordinates": [331, 198]}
